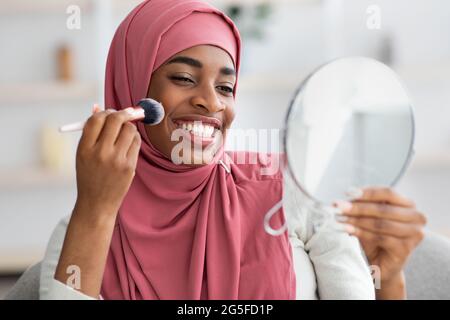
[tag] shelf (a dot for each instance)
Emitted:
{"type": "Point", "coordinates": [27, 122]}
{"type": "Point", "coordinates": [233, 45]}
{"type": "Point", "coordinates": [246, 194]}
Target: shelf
{"type": "Point", "coordinates": [20, 93]}
{"type": "Point", "coordinates": [17, 261]}
{"type": "Point", "coordinates": [40, 6]}
{"type": "Point", "coordinates": [48, 92]}
{"type": "Point", "coordinates": [270, 82]}
{"type": "Point", "coordinates": [9, 7]}
{"type": "Point", "coordinates": [35, 177]}
{"type": "Point", "coordinates": [435, 72]}
{"type": "Point", "coordinates": [431, 160]}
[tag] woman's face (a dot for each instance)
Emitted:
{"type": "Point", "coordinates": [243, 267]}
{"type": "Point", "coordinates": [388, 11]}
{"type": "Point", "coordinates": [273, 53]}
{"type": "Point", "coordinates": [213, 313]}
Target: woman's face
{"type": "Point", "coordinates": [196, 87]}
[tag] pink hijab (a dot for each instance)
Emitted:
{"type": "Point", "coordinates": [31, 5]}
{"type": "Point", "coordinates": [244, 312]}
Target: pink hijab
{"type": "Point", "coordinates": [188, 232]}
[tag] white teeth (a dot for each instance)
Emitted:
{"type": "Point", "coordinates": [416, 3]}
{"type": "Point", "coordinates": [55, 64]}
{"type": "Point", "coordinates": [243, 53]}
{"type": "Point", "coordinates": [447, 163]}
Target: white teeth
{"type": "Point", "coordinates": [196, 129]}
{"type": "Point", "coordinates": [209, 131]}
{"type": "Point", "coordinates": [202, 130]}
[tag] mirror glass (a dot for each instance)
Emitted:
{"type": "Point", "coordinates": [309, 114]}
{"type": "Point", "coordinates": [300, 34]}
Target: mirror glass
{"type": "Point", "coordinates": [349, 125]}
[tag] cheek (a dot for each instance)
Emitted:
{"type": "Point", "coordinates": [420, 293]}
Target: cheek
{"type": "Point", "coordinates": [161, 90]}
{"type": "Point", "coordinates": [230, 114]}
{"type": "Point", "coordinates": [170, 98]}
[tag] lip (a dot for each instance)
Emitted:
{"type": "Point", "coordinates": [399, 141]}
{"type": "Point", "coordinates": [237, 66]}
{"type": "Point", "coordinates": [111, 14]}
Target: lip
{"type": "Point", "coordinates": [216, 123]}
{"type": "Point", "coordinates": [204, 141]}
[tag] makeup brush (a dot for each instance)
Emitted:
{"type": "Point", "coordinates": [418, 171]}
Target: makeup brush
{"type": "Point", "coordinates": [152, 111]}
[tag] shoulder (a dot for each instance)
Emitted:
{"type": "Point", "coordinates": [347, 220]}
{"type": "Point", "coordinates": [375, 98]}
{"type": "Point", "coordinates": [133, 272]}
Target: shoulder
{"type": "Point", "coordinates": [49, 287]}
{"type": "Point", "coordinates": [253, 166]}
{"type": "Point", "coordinates": [51, 257]}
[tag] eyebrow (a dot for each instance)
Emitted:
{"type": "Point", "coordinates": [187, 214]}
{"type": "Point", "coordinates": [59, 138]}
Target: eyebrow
{"type": "Point", "coordinates": [197, 64]}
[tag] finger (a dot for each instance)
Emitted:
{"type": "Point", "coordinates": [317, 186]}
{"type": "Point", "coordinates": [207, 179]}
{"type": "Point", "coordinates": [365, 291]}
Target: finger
{"type": "Point", "coordinates": [369, 238]}
{"type": "Point", "coordinates": [398, 247]}
{"type": "Point", "coordinates": [385, 227]}
{"type": "Point", "coordinates": [381, 211]}
{"type": "Point", "coordinates": [384, 194]}
{"type": "Point", "coordinates": [97, 108]}
{"type": "Point", "coordinates": [125, 139]}
{"type": "Point", "coordinates": [93, 128]}
{"type": "Point", "coordinates": [113, 126]}
{"type": "Point", "coordinates": [133, 151]}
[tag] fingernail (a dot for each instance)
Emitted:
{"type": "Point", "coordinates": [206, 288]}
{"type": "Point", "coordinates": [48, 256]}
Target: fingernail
{"type": "Point", "coordinates": [97, 108]}
{"type": "Point", "coordinates": [340, 218]}
{"type": "Point", "coordinates": [343, 205]}
{"type": "Point", "coordinates": [129, 110]}
{"type": "Point", "coordinates": [135, 112]}
{"type": "Point", "coordinates": [347, 228]}
{"type": "Point", "coordinates": [337, 211]}
{"type": "Point", "coordinates": [354, 193]}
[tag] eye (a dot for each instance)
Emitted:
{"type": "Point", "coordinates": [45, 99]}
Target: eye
{"type": "Point", "coordinates": [226, 89]}
{"type": "Point", "coordinates": [181, 79]}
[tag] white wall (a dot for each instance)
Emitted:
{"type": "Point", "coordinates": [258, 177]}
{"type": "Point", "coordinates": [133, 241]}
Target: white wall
{"type": "Point", "coordinates": [300, 37]}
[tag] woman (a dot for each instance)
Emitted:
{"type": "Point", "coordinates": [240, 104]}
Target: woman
{"type": "Point", "coordinates": [144, 227]}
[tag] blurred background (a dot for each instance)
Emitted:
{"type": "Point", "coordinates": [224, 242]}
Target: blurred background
{"type": "Point", "coordinates": [52, 59]}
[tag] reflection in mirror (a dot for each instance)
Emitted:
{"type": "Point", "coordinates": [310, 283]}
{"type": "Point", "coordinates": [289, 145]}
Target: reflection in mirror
{"type": "Point", "coordinates": [350, 125]}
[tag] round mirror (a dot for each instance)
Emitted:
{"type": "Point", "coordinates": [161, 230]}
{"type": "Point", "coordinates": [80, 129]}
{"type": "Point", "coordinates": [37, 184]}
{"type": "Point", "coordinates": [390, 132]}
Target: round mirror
{"type": "Point", "coordinates": [349, 125]}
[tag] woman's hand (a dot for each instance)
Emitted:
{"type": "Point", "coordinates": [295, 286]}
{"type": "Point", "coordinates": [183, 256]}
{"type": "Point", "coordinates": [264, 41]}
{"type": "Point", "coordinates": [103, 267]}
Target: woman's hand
{"type": "Point", "coordinates": [106, 159]}
{"type": "Point", "coordinates": [389, 228]}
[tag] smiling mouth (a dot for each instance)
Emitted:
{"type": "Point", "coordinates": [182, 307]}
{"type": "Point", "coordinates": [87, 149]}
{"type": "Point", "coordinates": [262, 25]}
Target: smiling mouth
{"type": "Point", "coordinates": [198, 128]}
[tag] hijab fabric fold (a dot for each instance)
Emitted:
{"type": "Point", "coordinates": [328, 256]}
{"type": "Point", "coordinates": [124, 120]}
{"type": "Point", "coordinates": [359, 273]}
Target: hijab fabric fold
{"type": "Point", "coordinates": [186, 232]}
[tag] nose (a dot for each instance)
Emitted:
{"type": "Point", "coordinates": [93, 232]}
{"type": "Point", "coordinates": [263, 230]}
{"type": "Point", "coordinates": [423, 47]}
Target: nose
{"type": "Point", "coordinates": [208, 99]}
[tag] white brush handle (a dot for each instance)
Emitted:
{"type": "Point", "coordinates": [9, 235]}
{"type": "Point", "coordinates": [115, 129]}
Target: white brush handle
{"type": "Point", "coordinates": [72, 127]}
{"type": "Point", "coordinates": [135, 113]}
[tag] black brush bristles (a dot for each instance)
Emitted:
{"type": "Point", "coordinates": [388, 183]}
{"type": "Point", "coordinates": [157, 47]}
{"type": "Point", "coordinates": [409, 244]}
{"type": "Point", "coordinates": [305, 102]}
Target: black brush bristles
{"type": "Point", "coordinates": [154, 111]}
